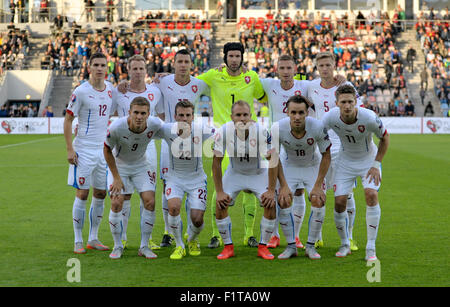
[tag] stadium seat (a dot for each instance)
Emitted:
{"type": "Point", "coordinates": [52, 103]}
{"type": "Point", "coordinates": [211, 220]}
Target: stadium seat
{"type": "Point", "coordinates": [162, 25]}
{"type": "Point", "coordinates": [260, 20]}
{"type": "Point", "coordinates": [189, 25]}
{"type": "Point", "coordinates": [252, 20]}
{"type": "Point", "coordinates": [207, 26]}
{"type": "Point", "coordinates": [198, 25]}
{"type": "Point", "coordinates": [242, 20]}
{"type": "Point", "coordinates": [171, 26]}
{"type": "Point", "coordinates": [180, 25]}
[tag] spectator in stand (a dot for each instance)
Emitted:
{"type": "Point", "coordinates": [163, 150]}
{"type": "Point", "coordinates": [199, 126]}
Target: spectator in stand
{"type": "Point", "coordinates": [409, 109]}
{"type": "Point", "coordinates": [58, 21]}
{"type": "Point", "coordinates": [429, 111]}
{"type": "Point", "coordinates": [392, 109]}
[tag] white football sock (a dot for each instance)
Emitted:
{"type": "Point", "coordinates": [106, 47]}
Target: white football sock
{"type": "Point", "coordinates": [224, 227]}
{"type": "Point", "coordinates": [298, 212]}
{"type": "Point", "coordinates": [115, 224]}
{"type": "Point", "coordinates": [95, 217]}
{"type": "Point", "coordinates": [176, 228]}
{"type": "Point", "coordinates": [78, 213]}
{"type": "Point", "coordinates": [287, 224]}
{"type": "Point", "coordinates": [276, 233]}
{"type": "Point", "coordinates": [341, 221]}
{"type": "Point", "coordinates": [126, 212]}
{"type": "Point", "coordinates": [266, 230]}
{"type": "Point", "coordinates": [193, 231]}
{"type": "Point", "coordinates": [315, 224]}
{"type": "Point", "coordinates": [373, 215]}
{"type": "Point", "coordinates": [147, 222]}
{"type": "Point", "coordinates": [351, 212]}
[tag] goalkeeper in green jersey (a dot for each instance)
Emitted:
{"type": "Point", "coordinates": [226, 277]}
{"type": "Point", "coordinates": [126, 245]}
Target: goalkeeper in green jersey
{"type": "Point", "coordinates": [227, 86]}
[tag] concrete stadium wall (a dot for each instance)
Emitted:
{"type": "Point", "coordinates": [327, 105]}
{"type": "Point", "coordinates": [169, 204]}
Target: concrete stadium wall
{"type": "Point", "coordinates": [18, 84]}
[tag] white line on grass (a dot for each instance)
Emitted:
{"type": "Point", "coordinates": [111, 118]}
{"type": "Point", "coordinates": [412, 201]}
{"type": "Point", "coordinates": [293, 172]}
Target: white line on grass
{"type": "Point", "coordinates": [29, 142]}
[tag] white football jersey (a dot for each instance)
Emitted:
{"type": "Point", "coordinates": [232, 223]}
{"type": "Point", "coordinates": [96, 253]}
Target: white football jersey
{"type": "Point", "coordinates": [185, 154]}
{"type": "Point", "coordinates": [152, 93]}
{"type": "Point", "coordinates": [129, 147]}
{"type": "Point", "coordinates": [305, 151]}
{"type": "Point", "coordinates": [93, 109]}
{"type": "Point", "coordinates": [245, 155]}
{"type": "Point", "coordinates": [324, 100]}
{"type": "Point", "coordinates": [277, 96]}
{"type": "Point", "coordinates": [173, 93]}
{"type": "Point", "coordinates": [356, 139]}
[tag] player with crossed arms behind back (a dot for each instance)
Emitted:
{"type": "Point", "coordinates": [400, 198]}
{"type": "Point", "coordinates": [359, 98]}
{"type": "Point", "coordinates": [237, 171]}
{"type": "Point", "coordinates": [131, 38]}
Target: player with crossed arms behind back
{"type": "Point", "coordinates": [358, 157]}
{"type": "Point", "coordinates": [92, 102]}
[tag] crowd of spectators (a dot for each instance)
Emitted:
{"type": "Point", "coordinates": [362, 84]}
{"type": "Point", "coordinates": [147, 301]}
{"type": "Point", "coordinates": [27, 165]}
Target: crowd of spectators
{"type": "Point", "coordinates": [14, 46]}
{"type": "Point", "coordinates": [364, 48]}
{"type": "Point", "coordinates": [24, 110]}
{"type": "Point", "coordinates": [68, 53]}
{"type": "Point", "coordinates": [433, 33]}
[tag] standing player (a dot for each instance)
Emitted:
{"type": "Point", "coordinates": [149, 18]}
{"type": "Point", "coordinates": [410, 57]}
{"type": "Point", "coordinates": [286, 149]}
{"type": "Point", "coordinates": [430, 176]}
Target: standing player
{"type": "Point", "coordinates": [138, 88]}
{"type": "Point", "coordinates": [321, 92]}
{"type": "Point", "coordinates": [246, 143]}
{"type": "Point", "coordinates": [227, 87]}
{"type": "Point", "coordinates": [358, 157]}
{"type": "Point", "coordinates": [303, 138]}
{"type": "Point", "coordinates": [92, 103]}
{"type": "Point", "coordinates": [125, 146]}
{"type": "Point", "coordinates": [185, 176]}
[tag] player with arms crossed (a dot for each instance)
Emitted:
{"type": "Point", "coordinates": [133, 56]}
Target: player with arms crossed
{"type": "Point", "coordinates": [321, 94]}
{"type": "Point", "coordinates": [307, 158]}
{"type": "Point", "coordinates": [246, 143]}
{"type": "Point", "coordinates": [124, 150]}
{"type": "Point", "coordinates": [185, 175]}
{"type": "Point", "coordinates": [138, 88]}
{"type": "Point", "coordinates": [358, 157]}
{"type": "Point", "coordinates": [92, 103]}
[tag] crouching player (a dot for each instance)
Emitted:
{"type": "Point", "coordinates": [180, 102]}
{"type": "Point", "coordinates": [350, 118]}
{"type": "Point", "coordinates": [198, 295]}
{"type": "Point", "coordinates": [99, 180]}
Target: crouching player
{"type": "Point", "coordinates": [304, 167]}
{"type": "Point", "coordinates": [246, 143]}
{"type": "Point", "coordinates": [124, 150]}
{"type": "Point", "coordinates": [358, 157]}
{"type": "Point", "coordinates": [185, 175]}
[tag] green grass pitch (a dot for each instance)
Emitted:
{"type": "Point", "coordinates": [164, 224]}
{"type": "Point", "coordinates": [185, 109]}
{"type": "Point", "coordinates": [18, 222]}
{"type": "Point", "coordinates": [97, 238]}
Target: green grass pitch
{"type": "Point", "coordinates": [36, 235]}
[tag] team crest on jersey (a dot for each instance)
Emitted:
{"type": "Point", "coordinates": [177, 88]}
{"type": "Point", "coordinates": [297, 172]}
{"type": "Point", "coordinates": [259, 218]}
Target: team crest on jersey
{"type": "Point", "coordinates": [194, 88]}
{"type": "Point", "coordinates": [361, 128]}
{"type": "Point", "coordinates": [310, 141]}
{"type": "Point", "coordinates": [298, 93]}
{"type": "Point", "coordinates": [110, 94]}
{"type": "Point", "coordinates": [150, 134]}
{"type": "Point", "coordinates": [81, 180]}
{"type": "Point", "coordinates": [108, 134]}
{"type": "Point", "coordinates": [253, 142]}
{"type": "Point", "coordinates": [73, 98]}
{"type": "Point", "coordinates": [168, 191]}
{"type": "Point", "coordinates": [247, 79]}
{"type": "Point", "coordinates": [196, 139]}
{"type": "Point", "coordinates": [151, 96]}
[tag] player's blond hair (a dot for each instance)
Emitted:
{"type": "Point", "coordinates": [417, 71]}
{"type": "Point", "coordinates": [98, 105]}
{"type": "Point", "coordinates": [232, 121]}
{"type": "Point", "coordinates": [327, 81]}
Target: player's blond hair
{"type": "Point", "coordinates": [286, 57]}
{"type": "Point", "coordinates": [241, 103]}
{"type": "Point", "coordinates": [140, 101]}
{"type": "Point", "coordinates": [324, 55]}
{"type": "Point", "coordinates": [136, 57]}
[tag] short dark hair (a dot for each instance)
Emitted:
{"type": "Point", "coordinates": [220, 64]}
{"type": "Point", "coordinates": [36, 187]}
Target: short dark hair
{"type": "Point", "coordinates": [298, 99]}
{"type": "Point", "coordinates": [184, 104]}
{"type": "Point", "coordinates": [97, 55]}
{"type": "Point", "coordinates": [345, 89]}
{"type": "Point", "coordinates": [182, 51]}
{"type": "Point", "coordinates": [140, 101]}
